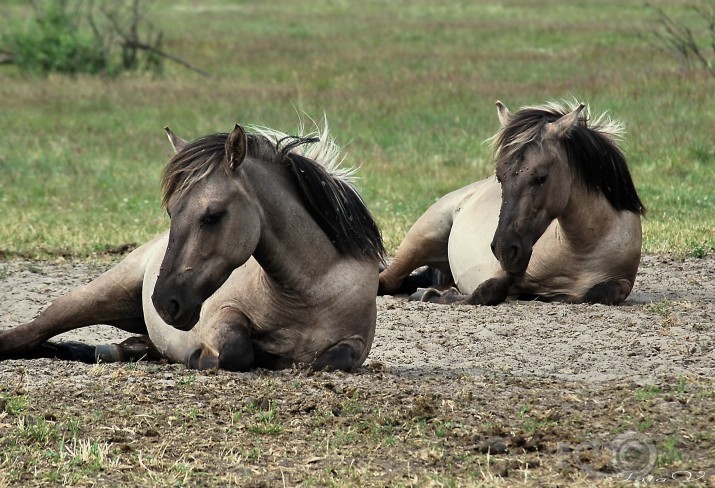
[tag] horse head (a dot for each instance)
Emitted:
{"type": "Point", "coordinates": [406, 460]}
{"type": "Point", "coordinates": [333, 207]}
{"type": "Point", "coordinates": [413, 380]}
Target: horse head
{"type": "Point", "coordinates": [215, 223]}
{"type": "Point", "coordinates": [536, 179]}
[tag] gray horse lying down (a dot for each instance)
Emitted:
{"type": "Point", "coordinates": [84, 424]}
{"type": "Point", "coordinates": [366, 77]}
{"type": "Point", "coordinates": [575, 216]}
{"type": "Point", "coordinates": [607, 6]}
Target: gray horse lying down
{"type": "Point", "coordinates": [271, 261]}
{"type": "Point", "coordinates": [560, 220]}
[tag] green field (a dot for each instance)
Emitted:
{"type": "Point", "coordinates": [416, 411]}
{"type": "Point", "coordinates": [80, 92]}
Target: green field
{"type": "Point", "coordinates": [408, 86]}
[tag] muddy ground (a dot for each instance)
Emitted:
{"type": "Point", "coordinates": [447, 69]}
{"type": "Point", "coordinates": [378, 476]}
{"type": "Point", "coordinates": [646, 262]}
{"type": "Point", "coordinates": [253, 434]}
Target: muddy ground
{"type": "Point", "coordinates": [524, 392]}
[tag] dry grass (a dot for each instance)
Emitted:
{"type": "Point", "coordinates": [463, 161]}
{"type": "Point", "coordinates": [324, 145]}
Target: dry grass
{"type": "Point", "coordinates": [145, 425]}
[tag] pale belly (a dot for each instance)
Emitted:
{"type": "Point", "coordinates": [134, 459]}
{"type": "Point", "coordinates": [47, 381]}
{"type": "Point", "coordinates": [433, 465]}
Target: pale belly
{"type": "Point", "coordinates": [470, 256]}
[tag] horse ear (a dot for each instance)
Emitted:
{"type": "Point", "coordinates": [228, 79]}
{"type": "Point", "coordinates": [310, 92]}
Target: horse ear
{"type": "Point", "coordinates": [177, 142]}
{"type": "Point", "coordinates": [562, 126]}
{"type": "Point", "coordinates": [236, 147]}
{"type": "Point", "coordinates": [503, 113]}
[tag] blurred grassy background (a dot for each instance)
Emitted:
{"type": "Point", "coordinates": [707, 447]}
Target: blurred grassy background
{"type": "Point", "coordinates": [409, 86]}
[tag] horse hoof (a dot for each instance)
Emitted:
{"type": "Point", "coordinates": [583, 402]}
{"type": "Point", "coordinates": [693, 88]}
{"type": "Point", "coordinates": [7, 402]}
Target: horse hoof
{"type": "Point", "coordinates": [431, 295]}
{"type": "Point", "coordinates": [425, 295]}
{"type": "Point", "coordinates": [201, 358]}
{"type": "Point", "coordinates": [108, 353]}
{"type": "Point", "coordinates": [417, 296]}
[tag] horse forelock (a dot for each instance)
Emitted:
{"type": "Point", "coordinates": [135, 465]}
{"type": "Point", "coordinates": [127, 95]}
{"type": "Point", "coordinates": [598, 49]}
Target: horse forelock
{"type": "Point", "coordinates": [592, 148]}
{"type": "Point", "coordinates": [192, 164]}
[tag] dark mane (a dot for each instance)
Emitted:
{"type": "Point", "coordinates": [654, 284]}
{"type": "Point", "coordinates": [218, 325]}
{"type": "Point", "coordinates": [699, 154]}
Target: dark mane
{"type": "Point", "coordinates": [333, 202]}
{"type": "Point", "coordinates": [591, 148]}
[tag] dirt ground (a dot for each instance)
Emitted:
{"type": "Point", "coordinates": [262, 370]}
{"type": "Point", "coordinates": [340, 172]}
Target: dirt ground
{"type": "Point", "coordinates": [523, 392]}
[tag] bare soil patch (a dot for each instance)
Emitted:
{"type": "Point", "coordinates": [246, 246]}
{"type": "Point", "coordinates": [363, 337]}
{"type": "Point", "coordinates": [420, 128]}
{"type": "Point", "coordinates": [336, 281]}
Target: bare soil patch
{"type": "Point", "coordinates": [525, 391]}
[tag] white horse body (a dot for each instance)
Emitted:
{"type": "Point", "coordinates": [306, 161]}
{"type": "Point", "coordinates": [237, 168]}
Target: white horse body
{"type": "Point", "coordinates": [475, 220]}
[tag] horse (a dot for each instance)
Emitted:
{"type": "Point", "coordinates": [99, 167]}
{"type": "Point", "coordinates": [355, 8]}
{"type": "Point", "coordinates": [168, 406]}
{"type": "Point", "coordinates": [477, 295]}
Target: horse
{"type": "Point", "coordinates": [271, 261]}
{"type": "Point", "coordinates": [560, 219]}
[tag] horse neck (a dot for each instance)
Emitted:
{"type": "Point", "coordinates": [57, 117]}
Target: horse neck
{"type": "Point", "coordinates": [290, 241]}
{"type": "Point", "coordinates": [586, 218]}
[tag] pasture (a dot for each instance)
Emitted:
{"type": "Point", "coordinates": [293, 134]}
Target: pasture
{"type": "Point", "coordinates": [516, 394]}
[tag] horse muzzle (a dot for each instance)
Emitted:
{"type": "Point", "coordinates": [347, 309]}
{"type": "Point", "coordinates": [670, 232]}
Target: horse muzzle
{"type": "Point", "coordinates": [176, 312]}
{"type": "Point", "coordinates": [513, 255]}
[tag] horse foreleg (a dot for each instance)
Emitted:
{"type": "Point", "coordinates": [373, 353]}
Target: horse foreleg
{"type": "Point", "coordinates": [609, 292]}
{"type": "Point", "coordinates": [605, 293]}
{"type": "Point", "coordinates": [341, 356]}
{"type": "Point", "coordinates": [226, 345]}
{"type": "Point", "coordinates": [491, 292]}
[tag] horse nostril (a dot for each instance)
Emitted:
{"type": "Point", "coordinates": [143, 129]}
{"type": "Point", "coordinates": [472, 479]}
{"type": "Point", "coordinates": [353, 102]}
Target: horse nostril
{"type": "Point", "coordinates": [173, 309]}
{"type": "Point", "coordinates": [168, 309]}
{"type": "Point", "coordinates": [515, 251]}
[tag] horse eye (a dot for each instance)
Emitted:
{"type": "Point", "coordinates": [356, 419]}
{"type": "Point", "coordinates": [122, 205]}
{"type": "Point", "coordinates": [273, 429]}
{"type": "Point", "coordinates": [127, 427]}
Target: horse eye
{"type": "Point", "coordinates": [212, 219]}
{"type": "Point", "coordinates": [539, 180]}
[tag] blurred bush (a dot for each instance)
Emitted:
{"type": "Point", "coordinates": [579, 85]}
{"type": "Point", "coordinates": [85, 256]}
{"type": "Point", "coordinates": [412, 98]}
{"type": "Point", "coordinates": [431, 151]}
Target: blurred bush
{"type": "Point", "coordinates": [83, 36]}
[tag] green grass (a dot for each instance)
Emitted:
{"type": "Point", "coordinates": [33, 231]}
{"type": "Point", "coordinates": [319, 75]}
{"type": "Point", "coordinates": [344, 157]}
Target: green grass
{"type": "Point", "coordinates": [16, 405]}
{"type": "Point", "coordinates": [409, 86]}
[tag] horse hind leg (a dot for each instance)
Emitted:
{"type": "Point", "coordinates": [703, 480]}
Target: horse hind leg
{"type": "Point", "coordinates": [65, 350]}
{"type": "Point", "coordinates": [113, 298]}
{"type": "Point", "coordinates": [609, 292]}
{"type": "Point", "coordinates": [423, 278]}
{"type": "Point", "coordinates": [425, 244]}
{"type": "Point", "coordinates": [132, 349]}
{"type": "Point", "coordinates": [434, 295]}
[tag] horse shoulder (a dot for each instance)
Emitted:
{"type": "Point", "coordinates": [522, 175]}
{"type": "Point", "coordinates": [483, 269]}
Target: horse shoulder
{"type": "Point", "coordinates": [620, 251]}
{"type": "Point", "coordinates": [558, 267]}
